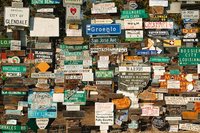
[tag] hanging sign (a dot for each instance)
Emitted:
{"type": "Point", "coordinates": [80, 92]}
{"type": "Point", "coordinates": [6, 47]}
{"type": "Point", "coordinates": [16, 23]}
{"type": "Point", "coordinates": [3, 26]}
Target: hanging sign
{"type": "Point", "coordinates": [16, 16]}
{"type": "Point", "coordinates": [134, 35]}
{"type": "Point", "coordinates": [103, 29]}
{"type": "Point", "coordinates": [158, 25]}
{"type": "Point", "coordinates": [128, 14]}
{"type": "Point", "coordinates": [189, 56]}
{"type": "Point", "coordinates": [135, 23]}
{"type": "Point", "coordinates": [73, 12]}
{"type": "Point", "coordinates": [104, 40]}
{"type": "Point", "coordinates": [42, 122]}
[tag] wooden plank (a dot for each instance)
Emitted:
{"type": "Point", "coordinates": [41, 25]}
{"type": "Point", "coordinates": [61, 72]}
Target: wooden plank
{"type": "Point", "coordinates": [15, 53]}
{"type": "Point", "coordinates": [73, 40]}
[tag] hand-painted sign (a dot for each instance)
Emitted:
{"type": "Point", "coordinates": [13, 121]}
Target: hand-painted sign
{"type": "Point", "coordinates": [41, 105]}
{"type": "Point", "coordinates": [76, 98]}
{"type": "Point", "coordinates": [73, 12]}
{"type": "Point", "coordinates": [103, 29]}
{"type": "Point", "coordinates": [45, 1]}
{"type": "Point", "coordinates": [104, 40]}
{"type": "Point", "coordinates": [128, 14]}
{"type": "Point", "coordinates": [158, 25]}
{"type": "Point", "coordinates": [189, 56]}
{"type": "Point", "coordinates": [16, 16]}
{"type": "Point", "coordinates": [14, 69]}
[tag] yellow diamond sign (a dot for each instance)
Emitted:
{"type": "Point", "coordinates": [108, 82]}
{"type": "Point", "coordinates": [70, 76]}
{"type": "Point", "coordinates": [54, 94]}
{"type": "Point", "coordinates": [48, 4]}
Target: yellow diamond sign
{"type": "Point", "coordinates": [43, 66]}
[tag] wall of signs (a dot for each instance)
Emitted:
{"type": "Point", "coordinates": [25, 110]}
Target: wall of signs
{"type": "Point", "coordinates": [100, 66]}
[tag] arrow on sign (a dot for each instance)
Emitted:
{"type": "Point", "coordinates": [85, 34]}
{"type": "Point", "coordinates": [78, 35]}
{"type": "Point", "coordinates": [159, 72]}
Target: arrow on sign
{"type": "Point", "coordinates": [101, 21]}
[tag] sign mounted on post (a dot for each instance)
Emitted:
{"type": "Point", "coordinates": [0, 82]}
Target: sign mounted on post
{"type": "Point", "coordinates": [16, 16]}
{"type": "Point", "coordinates": [103, 29]}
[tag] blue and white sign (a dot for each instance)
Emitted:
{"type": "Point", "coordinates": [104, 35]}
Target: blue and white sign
{"type": "Point", "coordinates": [103, 29]}
{"type": "Point", "coordinates": [41, 105]}
{"type": "Point", "coordinates": [146, 52]}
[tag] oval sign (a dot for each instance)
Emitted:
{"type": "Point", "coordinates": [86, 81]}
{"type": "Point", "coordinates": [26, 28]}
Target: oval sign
{"type": "Point", "coordinates": [133, 5]}
{"type": "Point", "coordinates": [42, 122]}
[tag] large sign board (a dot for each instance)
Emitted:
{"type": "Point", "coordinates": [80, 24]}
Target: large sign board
{"type": "Point", "coordinates": [16, 16]}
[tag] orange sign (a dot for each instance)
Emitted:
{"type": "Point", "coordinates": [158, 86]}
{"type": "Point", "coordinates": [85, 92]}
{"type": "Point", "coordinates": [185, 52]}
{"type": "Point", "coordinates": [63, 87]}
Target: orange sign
{"type": "Point", "coordinates": [43, 66]}
{"type": "Point", "coordinates": [194, 30]}
{"type": "Point", "coordinates": [122, 103]}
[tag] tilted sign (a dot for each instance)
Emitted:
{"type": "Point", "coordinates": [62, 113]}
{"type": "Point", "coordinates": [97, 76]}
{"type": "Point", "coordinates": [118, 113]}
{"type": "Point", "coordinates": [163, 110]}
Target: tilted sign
{"type": "Point", "coordinates": [189, 56]}
{"type": "Point", "coordinates": [41, 105]}
{"type": "Point", "coordinates": [104, 8]}
{"type": "Point", "coordinates": [45, 1]}
{"type": "Point", "coordinates": [103, 29]}
{"type": "Point", "coordinates": [190, 14]}
{"type": "Point", "coordinates": [104, 40]}
{"type": "Point", "coordinates": [134, 35]}
{"type": "Point", "coordinates": [13, 68]}
{"type": "Point", "coordinates": [133, 23]}
{"type": "Point", "coordinates": [128, 14]}
{"type": "Point", "coordinates": [74, 98]}
{"type": "Point", "coordinates": [16, 16]}
{"type": "Point", "coordinates": [158, 25]}
{"type": "Point", "coordinates": [73, 12]}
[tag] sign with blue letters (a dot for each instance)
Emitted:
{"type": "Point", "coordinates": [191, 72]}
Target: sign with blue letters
{"type": "Point", "coordinates": [103, 29]}
{"type": "Point", "coordinates": [146, 52]}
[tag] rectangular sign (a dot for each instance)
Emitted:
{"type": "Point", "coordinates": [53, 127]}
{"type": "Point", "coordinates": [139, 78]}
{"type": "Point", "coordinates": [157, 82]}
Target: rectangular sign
{"type": "Point", "coordinates": [74, 98]}
{"type": "Point", "coordinates": [103, 8]}
{"type": "Point", "coordinates": [13, 93]}
{"type": "Point", "coordinates": [103, 29]}
{"type": "Point", "coordinates": [41, 105]}
{"type": "Point", "coordinates": [104, 74]}
{"type": "Point", "coordinates": [134, 69]}
{"type": "Point", "coordinates": [104, 40]}
{"type": "Point", "coordinates": [158, 33]}
{"type": "Point", "coordinates": [73, 2]}
{"type": "Point", "coordinates": [113, 50]}
{"type": "Point", "coordinates": [158, 25]}
{"type": "Point", "coordinates": [128, 14]}
{"type": "Point", "coordinates": [101, 21]}
{"type": "Point", "coordinates": [73, 12]}
{"type": "Point", "coordinates": [16, 16]}
{"type": "Point", "coordinates": [163, 3]}
{"type": "Point", "coordinates": [159, 59]}
{"type": "Point", "coordinates": [189, 127]}
{"type": "Point", "coordinates": [175, 100]}
{"type": "Point", "coordinates": [146, 52]}
{"type": "Point", "coordinates": [13, 128]}
{"type": "Point", "coordinates": [45, 1]}
{"type": "Point", "coordinates": [172, 43]}
{"type": "Point", "coordinates": [21, 69]}
{"type": "Point", "coordinates": [134, 35]}
{"type": "Point", "coordinates": [43, 75]}
{"type": "Point", "coordinates": [190, 14]}
{"type": "Point", "coordinates": [150, 110]}
{"type": "Point", "coordinates": [189, 56]}
{"type": "Point", "coordinates": [135, 23]}
{"type": "Point", "coordinates": [5, 43]}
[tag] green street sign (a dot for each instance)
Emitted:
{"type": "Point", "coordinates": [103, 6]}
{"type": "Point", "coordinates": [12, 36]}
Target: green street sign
{"type": "Point", "coordinates": [104, 40]}
{"type": "Point", "coordinates": [78, 97]}
{"type": "Point", "coordinates": [174, 72]}
{"type": "Point", "coordinates": [13, 128]}
{"type": "Point", "coordinates": [104, 74]}
{"type": "Point", "coordinates": [159, 59]}
{"type": "Point", "coordinates": [78, 53]}
{"type": "Point", "coordinates": [13, 93]}
{"type": "Point", "coordinates": [73, 62]}
{"type": "Point", "coordinates": [5, 43]}
{"type": "Point", "coordinates": [10, 131]}
{"type": "Point", "coordinates": [21, 69]}
{"type": "Point", "coordinates": [74, 47]}
{"type": "Point", "coordinates": [45, 1]}
{"type": "Point", "coordinates": [189, 56]}
{"type": "Point", "coordinates": [128, 14]}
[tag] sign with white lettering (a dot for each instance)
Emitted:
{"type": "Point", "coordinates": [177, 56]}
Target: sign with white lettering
{"type": "Point", "coordinates": [73, 12]}
{"type": "Point", "coordinates": [45, 1]}
{"type": "Point", "coordinates": [158, 25]}
{"type": "Point", "coordinates": [135, 23]}
{"type": "Point", "coordinates": [16, 16]}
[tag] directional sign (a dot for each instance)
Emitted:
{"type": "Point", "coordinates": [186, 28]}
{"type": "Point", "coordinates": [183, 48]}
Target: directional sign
{"type": "Point", "coordinates": [101, 21]}
{"type": "Point", "coordinates": [103, 29]}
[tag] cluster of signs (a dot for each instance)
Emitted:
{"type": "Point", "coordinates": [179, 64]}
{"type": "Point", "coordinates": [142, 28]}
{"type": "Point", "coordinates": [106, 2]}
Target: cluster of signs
{"type": "Point", "coordinates": [137, 67]}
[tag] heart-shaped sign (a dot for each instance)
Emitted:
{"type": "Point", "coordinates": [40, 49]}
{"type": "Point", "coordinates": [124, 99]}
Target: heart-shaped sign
{"type": "Point", "coordinates": [73, 10]}
{"type": "Point", "coordinates": [42, 122]}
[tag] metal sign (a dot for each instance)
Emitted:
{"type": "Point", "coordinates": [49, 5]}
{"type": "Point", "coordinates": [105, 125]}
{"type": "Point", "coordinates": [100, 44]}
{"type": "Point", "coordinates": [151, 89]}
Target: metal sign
{"type": "Point", "coordinates": [5, 43]}
{"type": "Point", "coordinates": [189, 56]}
{"type": "Point", "coordinates": [104, 40]}
{"type": "Point", "coordinates": [113, 50]}
{"type": "Point", "coordinates": [104, 74]}
{"type": "Point", "coordinates": [13, 74]}
{"type": "Point", "coordinates": [158, 33]}
{"type": "Point", "coordinates": [45, 1]}
{"type": "Point", "coordinates": [43, 75]}
{"type": "Point", "coordinates": [16, 16]}
{"type": "Point", "coordinates": [13, 93]}
{"type": "Point", "coordinates": [42, 122]}
{"type": "Point", "coordinates": [103, 29]}
{"type": "Point", "coordinates": [73, 2]}
{"type": "Point", "coordinates": [103, 9]}
{"type": "Point", "coordinates": [13, 127]}
{"type": "Point", "coordinates": [21, 69]}
{"type": "Point", "coordinates": [73, 12]}
{"type": "Point", "coordinates": [77, 98]}
{"type": "Point", "coordinates": [101, 21]}
{"type": "Point", "coordinates": [134, 35]}
{"type": "Point", "coordinates": [146, 52]}
{"type": "Point", "coordinates": [159, 59]}
{"type": "Point", "coordinates": [128, 14]}
{"type": "Point", "coordinates": [158, 25]}
{"type": "Point", "coordinates": [190, 14]}
{"type": "Point", "coordinates": [74, 47]}
{"type": "Point", "coordinates": [133, 23]}
{"type": "Point", "coordinates": [163, 3]}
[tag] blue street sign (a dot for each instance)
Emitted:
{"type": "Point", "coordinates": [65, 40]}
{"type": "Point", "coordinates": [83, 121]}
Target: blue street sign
{"type": "Point", "coordinates": [146, 52]}
{"type": "Point", "coordinates": [103, 29]}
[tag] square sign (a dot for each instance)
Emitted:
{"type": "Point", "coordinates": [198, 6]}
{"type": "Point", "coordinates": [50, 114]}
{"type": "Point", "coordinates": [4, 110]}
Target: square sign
{"type": "Point", "coordinates": [16, 16]}
{"type": "Point", "coordinates": [73, 12]}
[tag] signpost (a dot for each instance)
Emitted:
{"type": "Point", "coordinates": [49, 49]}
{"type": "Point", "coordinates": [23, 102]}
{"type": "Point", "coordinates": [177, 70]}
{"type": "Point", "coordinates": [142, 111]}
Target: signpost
{"type": "Point", "coordinates": [103, 29]}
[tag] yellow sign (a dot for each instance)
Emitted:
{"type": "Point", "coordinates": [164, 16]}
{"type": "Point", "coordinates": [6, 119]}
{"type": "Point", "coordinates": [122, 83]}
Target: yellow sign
{"type": "Point", "coordinates": [43, 66]}
{"type": "Point", "coordinates": [172, 43]}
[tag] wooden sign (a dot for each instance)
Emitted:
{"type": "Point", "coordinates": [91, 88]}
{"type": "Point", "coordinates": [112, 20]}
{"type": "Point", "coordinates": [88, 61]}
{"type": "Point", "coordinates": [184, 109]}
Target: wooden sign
{"type": "Point", "coordinates": [15, 53]}
{"type": "Point", "coordinates": [73, 40]}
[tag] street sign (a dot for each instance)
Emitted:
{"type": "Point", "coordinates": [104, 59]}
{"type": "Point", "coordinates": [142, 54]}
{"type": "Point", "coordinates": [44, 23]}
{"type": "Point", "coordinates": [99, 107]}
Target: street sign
{"type": "Point", "coordinates": [42, 122]}
{"type": "Point", "coordinates": [5, 43]}
{"type": "Point", "coordinates": [189, 56]}
{"type": "Point", "coordinates": [146, 52]}
{"type": "Point", "coordinates": [103, 29]}
{"type": "Point", "coordinates": [159, 59]}
{"type": "Point", "coordinates": [45, 1]}
{"type": "Point", "coordinates": [104, 74]}
{"type": "Point", "coordinates": [13, 127]}
{"type": "Point", "coordinates": [77, 98]}
{"type": "Point", "coordinates": [128, 14]}
{"type": "Point", "coordinates": [13, 93]}
{"type": "Point", "coordinates": [21, 69]}
{"type": "Point", "coordinates": [101, 21]}
{"type": "Point", "coordinates": [104, 40]}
